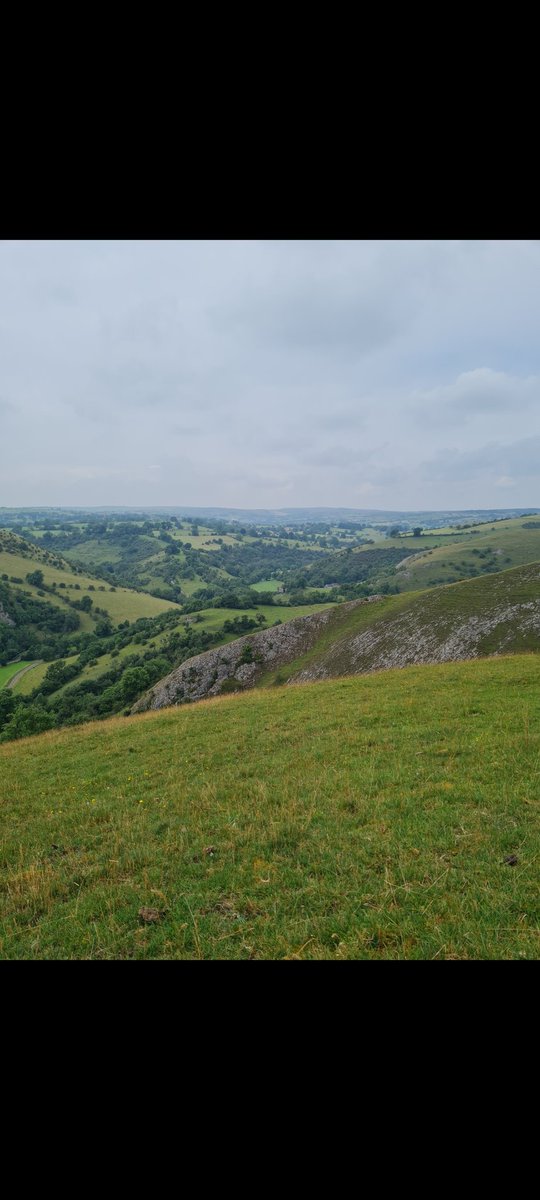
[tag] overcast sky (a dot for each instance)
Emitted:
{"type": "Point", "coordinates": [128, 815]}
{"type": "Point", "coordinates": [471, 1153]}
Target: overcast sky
{"type": "Point", "coordinates": [270, 374]}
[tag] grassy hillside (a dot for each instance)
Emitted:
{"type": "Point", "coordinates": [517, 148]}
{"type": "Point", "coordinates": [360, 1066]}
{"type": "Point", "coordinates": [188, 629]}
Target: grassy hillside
{"type": "Point", "coordinates": [479, 550]}
{"type": "Point", "coordinates": [31, 679]}
{"type": "Point", "coordinates": [121, 604]}
{"type": "Point", "coordinates": [496, 614]}
{"type": "Point", "coordinates": [363, 818]}
{"type": "Point", "coordinates": [211, 619]}
{"type": "Point", "coordinates": [499, 614]}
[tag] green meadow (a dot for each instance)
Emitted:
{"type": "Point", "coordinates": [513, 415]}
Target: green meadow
{"type": "Point", "coordinates": [393, 816]}
{"type": "Point", "coordinates": [7, 673]}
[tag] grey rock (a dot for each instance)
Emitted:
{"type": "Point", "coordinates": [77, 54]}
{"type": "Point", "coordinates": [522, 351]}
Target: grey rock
{"type": "Point", "coordinates": [241, 662]}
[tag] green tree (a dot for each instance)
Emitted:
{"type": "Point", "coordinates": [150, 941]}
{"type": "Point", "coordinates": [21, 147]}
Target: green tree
{"type": "Point", "coordinates": [134, 681]}
{"type": "Point", "coordinates": [7, 705]}
{"type": "Point", "coordinates": [26, 720]}
{"type": "Point", "coordinates": [35, 578]}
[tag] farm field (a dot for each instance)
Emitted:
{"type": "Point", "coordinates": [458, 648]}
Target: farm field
{"type": "Point", "coordinates": [505, 545]}
{"type": "Point", "coordinates": [33, 678]}
{"type": "Point", "coordinates": [266, 585]}
{"type": "Point", "coordinates": [7, 673]}
{"type": "Point", "coordinates": [121, 604]}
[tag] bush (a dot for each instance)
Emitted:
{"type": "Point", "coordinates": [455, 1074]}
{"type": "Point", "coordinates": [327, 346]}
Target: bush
{"type": "Point", "coordinates": [230, 685]}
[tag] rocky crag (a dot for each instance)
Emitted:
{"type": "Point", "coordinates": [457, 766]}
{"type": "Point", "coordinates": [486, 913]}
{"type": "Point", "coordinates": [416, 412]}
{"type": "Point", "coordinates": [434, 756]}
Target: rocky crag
{"type": "Point", "coordinates": [240, 664]}
{"type": "Point", "coordinates": [495, 614]}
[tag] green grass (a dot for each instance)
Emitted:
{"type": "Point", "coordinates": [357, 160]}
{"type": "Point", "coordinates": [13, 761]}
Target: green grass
{"type": "Point", "coordinates": [367, 818]}
{"type": "Point", "coordinates": [7, 673]}
{"type": "Point", "coordinates": [213, 618]}
{"type": "Point", "coordinates": [33, 678]}
{"type": "Point", "coordinates": [495, 614]}
{"type": "Point", "coordinates": [504, 544]}
{"type": "Point", "coordinates": [121, 605]}
{"type": "Point", "coordinates": [334, 638]}
{"type": "Point", "coordinates": [188, 586]}
{"type": "Point", "coordinates": [266, 585]}
{"type": "Point", "coordinates": [204, 541]}
{"type": "Point", "coordinates": [94, 551]}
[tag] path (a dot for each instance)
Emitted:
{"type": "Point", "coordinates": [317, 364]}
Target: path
{"type": "Point", "coordinates": [19, 674]}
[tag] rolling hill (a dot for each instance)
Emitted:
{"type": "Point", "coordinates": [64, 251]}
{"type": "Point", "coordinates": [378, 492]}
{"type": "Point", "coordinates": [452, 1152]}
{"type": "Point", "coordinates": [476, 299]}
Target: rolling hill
{"type": "Point", "coordinates": [495, 614]}
{"type": "Point", "coordinates": [394, 816]}
{"type": "Point", "coordinates": [63, 582]}
{"type": "Point", "coordinates": [474, 551]}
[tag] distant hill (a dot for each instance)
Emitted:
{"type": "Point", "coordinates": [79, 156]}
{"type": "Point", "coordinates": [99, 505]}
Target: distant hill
{"type": "Point", "coordinates": [476, 550]}
{"type": "Point", "coordinates": [495, 614]}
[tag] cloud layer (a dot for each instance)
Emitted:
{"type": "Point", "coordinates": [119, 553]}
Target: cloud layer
{"type": "Point", "coordinates": [260, 374]}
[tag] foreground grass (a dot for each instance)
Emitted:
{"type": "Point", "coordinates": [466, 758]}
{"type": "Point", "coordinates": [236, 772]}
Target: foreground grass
{"type": "Point", "coordinates": [363, 818]}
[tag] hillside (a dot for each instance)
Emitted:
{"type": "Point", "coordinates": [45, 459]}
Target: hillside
{"type": "Point", "coordinates": [241, 662]}
{"type": "Point", "coordinates": [393, 816]}
{"type": "Point", "coordinates": [496, 614]}
{"type": "Point", "coordinates": [61, 583]}
{"type": "Point", "coordinates": [474, 551]}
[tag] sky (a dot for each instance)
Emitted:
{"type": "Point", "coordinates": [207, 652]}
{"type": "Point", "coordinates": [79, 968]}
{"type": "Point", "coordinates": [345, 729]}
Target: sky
{"type": "Point", "coordinates": [270, 374]}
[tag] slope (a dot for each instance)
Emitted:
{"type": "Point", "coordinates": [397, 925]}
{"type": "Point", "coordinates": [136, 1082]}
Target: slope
{"type": "Point", "coordinates": [388, 817]}
{"type": "Point", "coordinates": [479, 550]}
{"type": "Point", "coordinates": [62, 583]}
{"type": "Point", "coordinates": [491, 615]}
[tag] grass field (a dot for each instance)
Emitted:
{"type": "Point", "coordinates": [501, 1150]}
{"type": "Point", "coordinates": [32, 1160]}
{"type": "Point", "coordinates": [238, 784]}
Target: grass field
{"type": "Point", "coordinates": [501, 545]}
{"type": "Point", "coordinates": [266, 585]}
{"type": "Point", "coordinates": [361, 819]}
{"type": "Point", "coordinates": [95, 551]}
{"type": "Point", "coordinates": [33, 678]}
{"type": "Point", "coordinates": [213, 618]}
{"type": "Point", "coordinates": [122, 604]}
{"type": "Point", "coordinates": [7, 673]}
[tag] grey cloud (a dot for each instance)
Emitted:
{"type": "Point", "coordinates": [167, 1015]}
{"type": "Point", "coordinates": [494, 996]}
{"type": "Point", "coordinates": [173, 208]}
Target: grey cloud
{"type": "Point", "coordinates": [338, 372]}
{"type": "Point", "coordinates": [337, 456]}
{"type": "Point", "coordinates": [515, 460]}
{"type": "Point", "coordinates": [335, 420]}
{"type": "Point", "coordinates": [476, 393]}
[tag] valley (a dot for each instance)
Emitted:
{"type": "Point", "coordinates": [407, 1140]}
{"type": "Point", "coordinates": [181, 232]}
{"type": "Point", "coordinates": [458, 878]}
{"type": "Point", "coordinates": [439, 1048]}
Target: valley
{"type": "Point", "coordinates": [313, 746]}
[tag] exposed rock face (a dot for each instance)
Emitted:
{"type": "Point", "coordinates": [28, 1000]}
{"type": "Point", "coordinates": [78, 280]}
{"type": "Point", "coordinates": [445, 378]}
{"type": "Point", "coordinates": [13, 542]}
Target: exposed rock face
{"type": "Point", "coordinates": [408, 640]}
{"type": "Point", "coordinates": [499, 614]}
{"type": "Point", "coordinates": [241, 663]}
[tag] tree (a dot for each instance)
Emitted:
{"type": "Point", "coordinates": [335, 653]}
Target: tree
{"type": "Point", "coordinates": [7, 705]}
{"type": "Point", "coordinates": [35, 578]}
{"type": "Point", "coordinates": [417, 532]}
{"type": "Point", "coordinates": [104, 628]}
{"type": "Point", "coordinates": [134, 680]}
{"type": "Point", "coordinates": [26, 720]}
